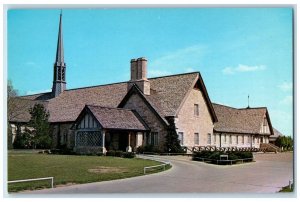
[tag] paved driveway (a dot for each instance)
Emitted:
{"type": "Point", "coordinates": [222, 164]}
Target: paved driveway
{"type": "Point", "coordinates": [268, 174]}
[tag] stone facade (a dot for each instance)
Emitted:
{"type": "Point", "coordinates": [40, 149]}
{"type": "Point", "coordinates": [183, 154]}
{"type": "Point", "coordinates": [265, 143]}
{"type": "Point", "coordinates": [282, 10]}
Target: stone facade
{"type": "Point", "coordinates": [189, 123]}
{"type": "Point", "coordinates": [135, 102]}
{"type": "Point", "coordinates": [63, 135]}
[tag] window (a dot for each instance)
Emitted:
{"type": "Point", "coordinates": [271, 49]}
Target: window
{"type": "Point", "coordinates": [196, 109]}
{"type": "Point", "coordinates": [196, 138]}
{"type": "Point", "coordinates": [180, 137]}
{"type": "Point", "coordinates": [243, 139]}
{"type": "Point", "coordinates": [208, 138]}
{"type": "Point", "coordinates": [253, 139]}
{"type": "Point", "coordinates": [154, 138]}
{"type": "Point", "coordinates": [59, 73]}
{"type": "Point", "coordinates": [215, 138]}
{"type": "Point", "coordinates": [230, 139]}
{"type": "Point", "coordinates": [225, 138]}
{"type": "Point", "coordinates": [249, 139]}
{"type": "Point", "coordinates": [237, 139]}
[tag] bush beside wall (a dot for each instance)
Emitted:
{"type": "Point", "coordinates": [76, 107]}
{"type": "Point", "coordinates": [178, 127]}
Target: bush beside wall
{"type": "Point", "coordinates": [120, 154]}
{"type": "Point", "coordinates": [213, 156]}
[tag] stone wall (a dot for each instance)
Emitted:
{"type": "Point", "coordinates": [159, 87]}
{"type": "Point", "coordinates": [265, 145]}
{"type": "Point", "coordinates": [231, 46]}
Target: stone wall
{"type": "Point", "coordinates": [155, 124]}
{"type": "Point", "coordinates": [63, 135]}
{"type": "Point", "coordinates": [189, 124]}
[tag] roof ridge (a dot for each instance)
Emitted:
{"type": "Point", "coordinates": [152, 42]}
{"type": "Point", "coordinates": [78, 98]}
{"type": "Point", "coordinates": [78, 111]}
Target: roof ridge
{"type": "Point", "coordinates": [107, 84]}
{"type": "Point", "coordinates": [225, 106]}
{"type": "Point", "coordinates": [180, 74]}
{"type": "Point", "coordinates": [96, 86]}
{"type": "Point", "coordinates": [252, 108]}
{"type": "Point", "coordinates": [129, 81]}
{"type": "Point", "coordinates": [22, 98]}
{"type": "Point", "coordinates": [246, 108]}
{"type": "Point", "coordinates": [108, 107]}
{"type": "Point", "coordinates": [34, 94]}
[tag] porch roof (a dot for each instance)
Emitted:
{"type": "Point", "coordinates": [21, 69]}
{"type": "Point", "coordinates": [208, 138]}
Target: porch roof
{"type": "Point", "coordinates": [117, 118]}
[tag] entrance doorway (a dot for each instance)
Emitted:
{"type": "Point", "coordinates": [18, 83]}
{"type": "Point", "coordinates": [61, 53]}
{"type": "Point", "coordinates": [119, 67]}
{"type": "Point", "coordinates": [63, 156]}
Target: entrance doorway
{"type": "Point", "coordinates": [123, 141]}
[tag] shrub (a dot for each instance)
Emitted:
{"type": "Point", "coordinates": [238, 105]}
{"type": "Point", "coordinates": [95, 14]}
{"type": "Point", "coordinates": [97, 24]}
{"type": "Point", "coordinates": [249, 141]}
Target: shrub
{"type": "Point", "coordinates": [140, 150]}
{"type": "Point", "coordinates": [215, 155]}
{"type": "Point", "coordinates": [232, 156]}
{"type": "Point", "coordinates": [172, 143]}
{"type": "Point", "coordinates": [111, 153]}
{"type": "Point", "coordinates": [203, 154]}
{"type": "Point", "coordinates": [148, 148]}
{"type": "Point", "coordinates": [118, 153]}
{"type": "Point", "coordinates": [128, 155]}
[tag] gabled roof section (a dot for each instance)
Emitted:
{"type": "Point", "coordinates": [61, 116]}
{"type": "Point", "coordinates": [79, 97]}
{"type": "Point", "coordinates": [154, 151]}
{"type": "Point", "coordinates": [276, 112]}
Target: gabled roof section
{"type": "Point", "coordinates": [276, 134]}
{"type": "Point", "coordinates": [246, 120]}
{"type": "Point", "coordinates": [146, 99]}
{"type": "Point", "coordinates": [67, 106]}
{"type": "Point", "coordinates": [116, 118]}
{"type": "Point", "coordinates": [198, 82]}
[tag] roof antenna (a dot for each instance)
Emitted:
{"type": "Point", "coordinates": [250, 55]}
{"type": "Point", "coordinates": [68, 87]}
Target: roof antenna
{"type": "Point", "coordinates": [248, 103]}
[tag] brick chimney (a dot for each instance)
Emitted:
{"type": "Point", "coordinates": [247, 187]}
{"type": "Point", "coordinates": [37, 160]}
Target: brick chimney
{"type": "Point", "coordinates": [138, 69]}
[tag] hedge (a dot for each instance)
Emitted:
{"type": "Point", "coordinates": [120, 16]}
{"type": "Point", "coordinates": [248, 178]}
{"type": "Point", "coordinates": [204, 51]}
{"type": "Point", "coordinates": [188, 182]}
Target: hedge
{"type": "Point", "coordinates": [215, 155]}
{"type": "Point", "coordinates": [120, 154]}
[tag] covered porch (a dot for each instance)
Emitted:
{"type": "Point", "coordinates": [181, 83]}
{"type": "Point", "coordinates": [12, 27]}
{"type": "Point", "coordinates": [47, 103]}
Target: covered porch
{"type": "Point", "coordinates": [100, 129]}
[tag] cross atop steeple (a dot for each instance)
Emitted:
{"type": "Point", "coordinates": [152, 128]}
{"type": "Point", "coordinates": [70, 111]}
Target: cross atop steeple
{"type": "Point", "coordinates": [59, 78]}
{"type": "Point", "coordinates": [248, 103]}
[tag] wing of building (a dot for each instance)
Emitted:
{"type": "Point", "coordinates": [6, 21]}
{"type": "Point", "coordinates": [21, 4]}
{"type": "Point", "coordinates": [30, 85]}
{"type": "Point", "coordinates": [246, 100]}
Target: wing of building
{"type": "Point", "coordinates": [246, 127]}
{"type": "Point", "coordinates": [125, 115]}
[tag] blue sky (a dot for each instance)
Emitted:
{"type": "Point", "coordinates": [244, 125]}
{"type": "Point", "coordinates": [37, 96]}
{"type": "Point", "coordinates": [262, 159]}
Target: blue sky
{"type": "Point", "coordinates": [238, 51]}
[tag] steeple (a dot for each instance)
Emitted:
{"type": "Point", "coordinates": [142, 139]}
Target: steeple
{"type": "Point", "coordinates": [59, 78]}
{"type": "Point", "coordinates": [60, 44]}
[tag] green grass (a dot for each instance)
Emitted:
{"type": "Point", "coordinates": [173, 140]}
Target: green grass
{"type": "Point", "coordinates": [287, 189]}
{"type": "Point", "coordinates": [70, 169]}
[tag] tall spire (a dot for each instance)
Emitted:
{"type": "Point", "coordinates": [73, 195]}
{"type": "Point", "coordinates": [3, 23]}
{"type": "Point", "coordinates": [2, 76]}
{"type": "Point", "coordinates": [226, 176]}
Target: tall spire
{"type": "Point", "coordinates": [59, 77]}
{"type": "Point", "coordinates": [60, 45]}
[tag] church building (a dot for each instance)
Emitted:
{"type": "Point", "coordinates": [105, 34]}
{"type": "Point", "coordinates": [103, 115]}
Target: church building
{"type": "Point", "coordinates": [138, 112]}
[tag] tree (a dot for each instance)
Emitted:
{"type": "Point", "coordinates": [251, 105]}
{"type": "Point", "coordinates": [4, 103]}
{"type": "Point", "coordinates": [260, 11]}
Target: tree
{"type": "Point", "coordinates": [284, 142]}
{"type": "Point", "coordinates": [23, 140]}
{"type": "Point", "coordinates": [11, 93]}
{"type": "Point", "coordinates": [172, 143]}
{"type": "Point", "coordinates": [39, 128]}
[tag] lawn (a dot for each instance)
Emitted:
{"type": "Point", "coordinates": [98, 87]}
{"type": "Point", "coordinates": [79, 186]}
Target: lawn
{"type": "Point", "coordinates": [287, 188]}
{"type": "Point", "coordinates": [70, 169]}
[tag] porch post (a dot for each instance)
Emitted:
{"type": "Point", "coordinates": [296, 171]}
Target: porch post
{"type": "Point", "coordinates": [129, 149]}
{"type": "Point", "coordinates": [103, 142]}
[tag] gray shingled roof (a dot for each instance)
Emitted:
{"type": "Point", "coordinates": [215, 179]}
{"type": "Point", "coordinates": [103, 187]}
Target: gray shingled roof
{"type": "Point", "coordinates": [246, 120]}
{"type": "Point", "coordinates": [276, 134]}
{"type": "Point", "coordinates": [167, 93]}
{"type": "Point", "coordinates": [117, 118]}
{"type": "Point", "coordinates": [18, 109]}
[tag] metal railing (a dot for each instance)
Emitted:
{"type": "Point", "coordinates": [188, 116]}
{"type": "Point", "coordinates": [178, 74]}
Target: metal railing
{"type": "Point", "coordinates": [35, 179]}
